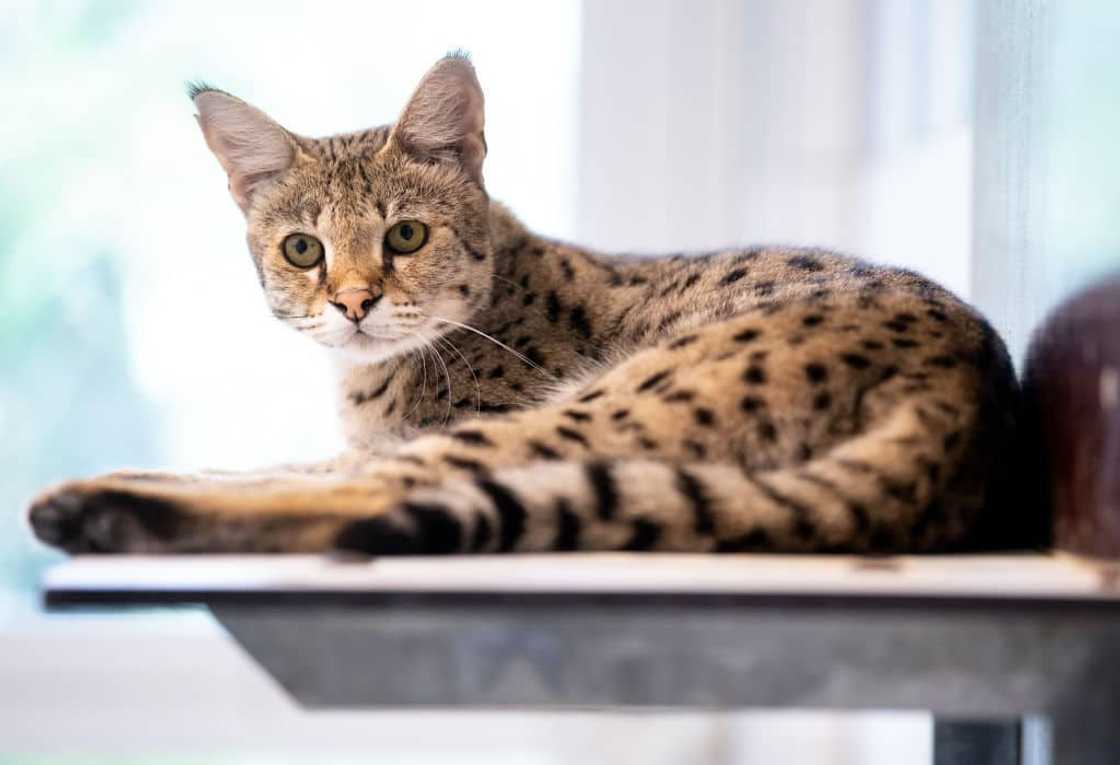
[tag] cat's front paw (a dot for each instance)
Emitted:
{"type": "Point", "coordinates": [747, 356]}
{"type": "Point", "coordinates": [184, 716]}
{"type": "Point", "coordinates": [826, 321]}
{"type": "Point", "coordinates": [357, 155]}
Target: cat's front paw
{"type": "Point", "coordinates": [92, 517]}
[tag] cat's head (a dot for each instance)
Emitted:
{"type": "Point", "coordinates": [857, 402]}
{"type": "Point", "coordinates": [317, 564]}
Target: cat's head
{"type": "Point", "coordinates": [373, 243]}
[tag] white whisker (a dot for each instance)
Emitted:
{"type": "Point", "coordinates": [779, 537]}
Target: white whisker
{"type": "Point", "coordinates": [495, 341]}
{"type": "Point", "coordinates": [477, 387]}
{"type": "Point", "coordinates": [422, 350]}
{"type": "Point", "coordinates": [447, 376]}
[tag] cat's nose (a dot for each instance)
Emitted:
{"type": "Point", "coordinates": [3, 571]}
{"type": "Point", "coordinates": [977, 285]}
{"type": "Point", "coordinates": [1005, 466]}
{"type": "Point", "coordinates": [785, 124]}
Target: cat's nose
{"type": "Point", "coordinates": [355, 303]}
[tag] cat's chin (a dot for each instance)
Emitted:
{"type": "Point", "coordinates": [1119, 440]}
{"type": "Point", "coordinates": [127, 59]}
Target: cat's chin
{"type": "Point", "coordinates": [363, 349]}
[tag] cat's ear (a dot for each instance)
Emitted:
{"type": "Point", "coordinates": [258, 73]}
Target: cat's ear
{"type": "Point", "coordinates": [443, 120]}
{"type": "Point", "coordinates": [252, 149]}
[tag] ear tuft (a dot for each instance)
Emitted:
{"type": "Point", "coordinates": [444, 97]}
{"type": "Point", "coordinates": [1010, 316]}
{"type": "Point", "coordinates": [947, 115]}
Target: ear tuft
{"type": "Point", "coordinates": [196, 87]}
{"type": "Point", "coordinates": [252, 149]}
{"type": "Point", "coordinates": [444, 119]}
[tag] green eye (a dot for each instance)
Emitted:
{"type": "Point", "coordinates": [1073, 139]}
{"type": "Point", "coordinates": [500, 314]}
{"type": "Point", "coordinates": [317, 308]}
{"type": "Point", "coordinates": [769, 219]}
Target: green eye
{"type": "Point", "coordinates": [406, 237]}
{"type": "Point", "coordinates": [302, 250]}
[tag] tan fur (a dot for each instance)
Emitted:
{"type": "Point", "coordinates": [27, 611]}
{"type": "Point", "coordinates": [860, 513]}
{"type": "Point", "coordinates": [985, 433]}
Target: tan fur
{"type": "Point", "coordinates": [510, 392]}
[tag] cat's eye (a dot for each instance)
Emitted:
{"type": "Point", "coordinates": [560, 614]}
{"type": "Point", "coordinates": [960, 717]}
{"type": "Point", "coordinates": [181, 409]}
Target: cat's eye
{"type": "Point", "coordinates": [406, 237]}
{"type": "Point", "coordinates": [302, 250]}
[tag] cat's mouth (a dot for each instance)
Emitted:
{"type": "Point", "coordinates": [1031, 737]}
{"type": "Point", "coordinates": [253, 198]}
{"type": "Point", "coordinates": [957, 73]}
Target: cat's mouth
{"type": "Point", "coordinates": [371, 337]}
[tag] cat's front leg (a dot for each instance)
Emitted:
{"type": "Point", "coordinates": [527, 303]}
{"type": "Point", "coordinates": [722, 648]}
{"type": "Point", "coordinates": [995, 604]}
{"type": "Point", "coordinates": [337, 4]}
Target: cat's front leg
{"type": "Point", "coordinates": [296, 508]}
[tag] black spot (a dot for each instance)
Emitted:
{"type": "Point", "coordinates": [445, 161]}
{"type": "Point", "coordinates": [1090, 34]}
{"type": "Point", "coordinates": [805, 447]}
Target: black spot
{"type": "Point", "coordinates": [822, 401]}
{"type": "Point", "coordinates": [653, 380]}
{"type": "Point", "coordinates": [690, 281]}
{"type": "Point", "coordinates": [747, 335]}
{"type": "Point", "coordinates": [378, 536]}
{"type": "Point", "coordinates": [566, 267]}
{"type": "Point", "coordinates": [937, 315]}
{"type": "Point", "coordinates": [699, 502]}
{"type": "Point", "coordinates": [904, 342]}
{"type": "Point", "coordinates": [945, 362]}
{"type": "Point", "coordinates": [644, 536]}
{"type": "Point", "coordinates": [578, 320]}
{"type": "Point", "coordinates": [486, 407]}
{"type": "Point", "coordinates": [472, 437]}
{"type": "Point", "coordinates": [510, 510]}
{"type": "Point", "coordinates": [463, 463]}
{"type": "Point", "coordinates": [361, 398]}
{"type": "Point", "coordinates": [816, 373]}
{"type": "Point", "coordinates": [767, 431]}
{"type": "Point", "coordinates": [903, 492]}
{"type": "Point", "coordinates": [647, 443]}
{"type": "Point", "coordinates": [573, 435]}
{"type": "Point", "coordinates": [872, 345]}
{"type": "Point", "coordinates": [696, 449]}
{"type": "Point", "coordinates": [804, 452]}
{"type": "Point", "coordinates": [543, 451]}
{"type": "Point", "coordinates": [906, 318]}
{"type": "Point", "coordinates": [552, 307]}
{"type": "Point", "coordinates": [681, 342]}
{"type": "Point", "coordinates": [755, 375]}
{"type": "Point", "coordinates": [896, 326]}
{"type": "Point", "coordinates": [732, 276]}
{"type": "Point", "coordinates": [591, 396]}
{"type": "Point", "coordinates": [855, 361]}
{"type": "Point", "coordinates": [437, 530]}
{"type": "Point", "coordinates": [812, 320]}
{"type": "Point", "coordinates": [860, 518]}
{"type": "Point", "coordinates": [703, 416]}
{"type": "Point", "coordinates": [952, 440]}
{"type": "Point", "coordinates": [751, 404]}
{"type": "Point", "coordinates": [680, 396]}
{"type": "Point", "coordinates": [604, 488]}
{"type": "Point", "coordinates": [568, 527]}
{"type": "Point", "coordinates": [764, 289]}
{"type": "Point", "coordinates": [482, 534]}
{"type": "Point", "coordinates": [534, 355]}
{"type": "Point", "coordinates": [464, 290]}
{"type": "Point", "coordinates": [805, 263]}
{"type": "Point", "coordinates": [575, 416]}
{"type": "Point", "coordinates": [620, 414]}
{"type": "Point", "coordinates": [529, 299]}
{"type": "Point", "coordinates": [496, 372]}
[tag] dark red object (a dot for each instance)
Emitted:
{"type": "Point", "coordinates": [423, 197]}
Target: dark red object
{"type": "Point", "coordinates": [1072, 395]}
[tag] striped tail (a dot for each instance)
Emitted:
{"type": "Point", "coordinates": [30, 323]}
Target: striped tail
{"type": "Point", "coordinates": [891, 488]}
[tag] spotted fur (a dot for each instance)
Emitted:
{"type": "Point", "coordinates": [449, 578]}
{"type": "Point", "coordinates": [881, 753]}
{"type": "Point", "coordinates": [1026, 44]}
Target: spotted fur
{"type": "Point", "coordinates": [513, 393]}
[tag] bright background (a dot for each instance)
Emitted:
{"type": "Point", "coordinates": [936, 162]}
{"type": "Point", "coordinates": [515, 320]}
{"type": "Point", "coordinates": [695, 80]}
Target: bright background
{"type": "Point", "coordinates": [975, 143]}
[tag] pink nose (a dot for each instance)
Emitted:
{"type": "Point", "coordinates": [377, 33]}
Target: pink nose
{"type": "Point", "coordinates": [355, 303]}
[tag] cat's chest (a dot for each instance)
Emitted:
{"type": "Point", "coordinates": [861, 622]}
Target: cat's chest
{"type": "Point", "coordinates": [436, 386]}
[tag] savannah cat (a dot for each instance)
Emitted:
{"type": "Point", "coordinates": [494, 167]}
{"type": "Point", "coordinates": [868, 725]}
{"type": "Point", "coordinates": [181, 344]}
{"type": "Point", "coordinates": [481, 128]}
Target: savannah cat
{"type": "Point", "coordinates": [505, 392]}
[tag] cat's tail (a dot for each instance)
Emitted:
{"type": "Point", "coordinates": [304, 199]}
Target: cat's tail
{"type": "Point", "coordinates": [898, 486]}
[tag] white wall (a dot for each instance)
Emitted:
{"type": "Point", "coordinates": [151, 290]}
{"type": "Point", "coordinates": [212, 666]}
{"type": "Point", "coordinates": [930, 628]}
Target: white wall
{"type": "Point", "coordinates": [840, 123]}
